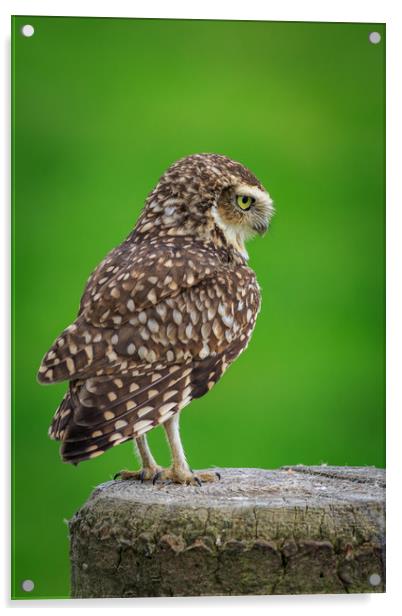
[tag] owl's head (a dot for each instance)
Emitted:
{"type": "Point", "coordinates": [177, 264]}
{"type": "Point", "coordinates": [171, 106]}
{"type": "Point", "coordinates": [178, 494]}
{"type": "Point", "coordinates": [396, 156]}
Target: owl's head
{"type": "Point", "coordinates": [203, 192]}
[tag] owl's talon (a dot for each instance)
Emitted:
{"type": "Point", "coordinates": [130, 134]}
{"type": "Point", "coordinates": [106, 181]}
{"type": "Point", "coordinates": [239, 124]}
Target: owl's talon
{"type": "Point", "coordinates": [218, 475]}
{"type": "Point", "coordinates": [197, 480]}
{"type": "Point", "coordinates": [156, 477]}
{"type": "Point", "coordinates": [142, 476]}
{"type": "Point", "coordinates": [116, 476]}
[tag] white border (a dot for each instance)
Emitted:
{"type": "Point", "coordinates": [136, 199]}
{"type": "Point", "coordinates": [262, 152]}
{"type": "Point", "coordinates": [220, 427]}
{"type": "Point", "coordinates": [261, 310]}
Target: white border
{"type": "Point", "coordinates": [285, 10]}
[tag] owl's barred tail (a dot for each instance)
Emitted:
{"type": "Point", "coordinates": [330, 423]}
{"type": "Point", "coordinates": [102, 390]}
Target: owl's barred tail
{"type": "Point", "coordinates": [105, 412]}
{"type": "Point", "coordinates": [100, 413]}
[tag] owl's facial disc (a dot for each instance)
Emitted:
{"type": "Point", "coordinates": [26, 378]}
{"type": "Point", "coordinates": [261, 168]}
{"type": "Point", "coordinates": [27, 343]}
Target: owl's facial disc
{"type": "Point", "coordinates": [256, 206]}
{"type": "Point", "coordinates": [241, 212]}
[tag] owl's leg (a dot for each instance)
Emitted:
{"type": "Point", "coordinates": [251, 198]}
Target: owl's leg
{"type": "Point", "coordinates": [180, 472]}
{"type": "Point", "coordinates": [149, 466]}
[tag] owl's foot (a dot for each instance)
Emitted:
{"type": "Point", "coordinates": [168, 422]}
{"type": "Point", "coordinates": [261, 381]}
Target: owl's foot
{"type": "Point", "coordinates": [184, 476]}
{"type": "Point", "coordinates": [145, 474]}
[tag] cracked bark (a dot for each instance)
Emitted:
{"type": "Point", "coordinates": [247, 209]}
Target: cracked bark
{"type": "Point", "coordinates": [287, 531]}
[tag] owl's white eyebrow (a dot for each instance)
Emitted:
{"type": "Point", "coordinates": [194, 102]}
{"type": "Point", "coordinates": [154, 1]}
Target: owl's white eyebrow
{"type": "Point", "coordinates": [256, 193]}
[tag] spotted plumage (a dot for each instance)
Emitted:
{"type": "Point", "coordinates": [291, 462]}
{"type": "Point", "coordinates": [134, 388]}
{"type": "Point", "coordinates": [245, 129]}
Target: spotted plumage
{"type": "Point", "coordinates": [163, 315]}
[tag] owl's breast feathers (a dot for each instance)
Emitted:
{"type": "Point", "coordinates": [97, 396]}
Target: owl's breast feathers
{"type": "Point", "coordinates": [158, 325]}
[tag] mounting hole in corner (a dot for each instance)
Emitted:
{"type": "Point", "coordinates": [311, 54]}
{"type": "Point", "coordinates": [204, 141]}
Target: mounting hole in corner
{"type": "Point", "coordinates": [28, 585]}
{"type": "Point", "coordinates": [374, 37]}
{"type": "Point", "coordinates": [375, 579]}
{"type": "Point", "coordinates": [27, 30]}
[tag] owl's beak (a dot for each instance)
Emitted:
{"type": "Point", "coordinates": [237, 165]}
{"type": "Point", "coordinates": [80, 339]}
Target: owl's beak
{"type": "Point", "coordinates": [261, 227]}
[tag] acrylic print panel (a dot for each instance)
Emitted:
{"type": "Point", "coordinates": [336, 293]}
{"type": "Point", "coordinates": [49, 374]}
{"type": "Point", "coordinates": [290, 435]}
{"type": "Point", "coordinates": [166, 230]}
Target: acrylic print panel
{"type": "Point", "coordinates": [101, 108]}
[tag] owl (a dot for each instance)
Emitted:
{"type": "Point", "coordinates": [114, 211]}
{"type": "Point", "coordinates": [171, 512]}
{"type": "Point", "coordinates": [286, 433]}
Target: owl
{"type": "Point", "coordinates": [162, 317]}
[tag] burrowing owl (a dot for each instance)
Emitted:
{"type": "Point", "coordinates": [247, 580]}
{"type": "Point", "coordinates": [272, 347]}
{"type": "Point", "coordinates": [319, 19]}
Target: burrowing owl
{"type": "Point", "coordinates": [162, 316]}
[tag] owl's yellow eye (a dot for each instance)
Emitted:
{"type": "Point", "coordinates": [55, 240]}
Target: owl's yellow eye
{"type": "Point", "coordinates": [244, 202]}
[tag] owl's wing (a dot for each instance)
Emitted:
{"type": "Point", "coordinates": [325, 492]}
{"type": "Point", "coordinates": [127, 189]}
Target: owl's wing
{"type": "Point", "coordinates": [134, 281]}
{"type": "Point", "coordinates": [136, 276]}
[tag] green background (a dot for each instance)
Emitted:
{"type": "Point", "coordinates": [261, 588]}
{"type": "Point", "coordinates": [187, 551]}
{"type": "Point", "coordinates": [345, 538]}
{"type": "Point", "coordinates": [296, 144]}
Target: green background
{"type": "Point", "coordinates": [101, 107]}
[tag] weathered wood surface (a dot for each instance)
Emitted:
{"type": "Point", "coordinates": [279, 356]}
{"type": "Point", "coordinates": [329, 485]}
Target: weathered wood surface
{"type": "Point", "coordinates": [292, 530]}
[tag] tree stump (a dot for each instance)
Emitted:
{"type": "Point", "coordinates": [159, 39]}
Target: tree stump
{"type": "Point", "coordinates": [299, 529]}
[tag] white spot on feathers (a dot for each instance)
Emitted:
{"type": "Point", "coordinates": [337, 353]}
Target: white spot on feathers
{"type": "Point", "coordinates": [177, 317]}
{"type": "Point", "coordinates": [139, 425]}
{"type": "Point", "coordinates": [153, 326]}
{"type": "Point", "coordinates": [121, 423]}
{"type": "Point", "coordinates": [152, 296]}
{"type": "Point", "coordinates": [165, 408]}
{"type": "Point", "coordinates": [169, 394]}
{"type": "Point", "coordinates": [144, 411]}
{"type": "Point", "coordinates": [70, 365]}
{"type": "Point", "coordinates": [95, 454]}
